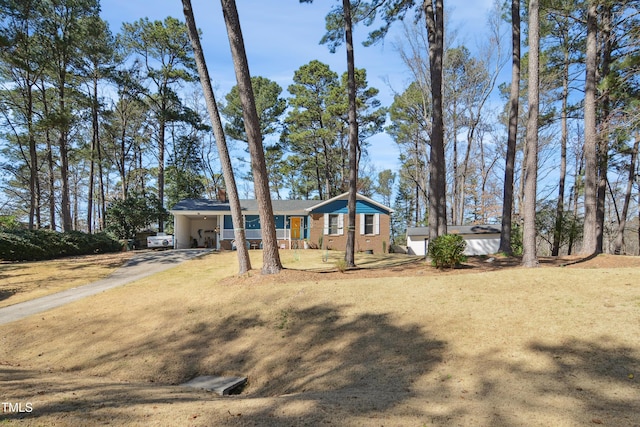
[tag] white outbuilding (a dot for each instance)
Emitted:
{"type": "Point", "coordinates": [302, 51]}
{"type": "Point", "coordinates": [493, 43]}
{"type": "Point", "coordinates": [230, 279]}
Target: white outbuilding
{"type": "Point", "coordinates": [481, 239]}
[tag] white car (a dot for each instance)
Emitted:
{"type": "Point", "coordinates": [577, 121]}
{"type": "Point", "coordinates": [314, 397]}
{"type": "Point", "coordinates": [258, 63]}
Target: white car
{"type": "Point", "coordinates": [160, 242]}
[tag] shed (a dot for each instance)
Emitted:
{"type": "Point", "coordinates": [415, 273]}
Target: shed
{"type": "Point", "coordinates": [481, 239]}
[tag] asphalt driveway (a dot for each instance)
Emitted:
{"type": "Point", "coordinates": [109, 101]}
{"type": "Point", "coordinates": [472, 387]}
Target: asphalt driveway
{"type": "Point", "coordinates": [141, 265]}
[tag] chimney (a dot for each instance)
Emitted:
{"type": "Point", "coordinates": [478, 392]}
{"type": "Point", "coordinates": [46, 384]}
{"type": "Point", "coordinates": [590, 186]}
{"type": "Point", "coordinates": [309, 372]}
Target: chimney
{"type": "Point", "coordinates": [222, 195]}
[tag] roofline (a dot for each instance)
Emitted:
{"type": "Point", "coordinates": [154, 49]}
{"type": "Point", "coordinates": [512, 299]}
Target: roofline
{"type": "Point", "coordinates": [296, 211]}
{"type": "Point", "coordinates": [454, 229]}
{"type": "Point", "coordinates": [228, 212]}
{"type": "Point", "coordinates": [358, 196]}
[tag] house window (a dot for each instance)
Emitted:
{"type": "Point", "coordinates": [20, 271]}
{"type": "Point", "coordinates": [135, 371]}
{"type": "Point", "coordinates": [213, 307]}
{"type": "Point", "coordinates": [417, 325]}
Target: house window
{"type": "Point", "coordinates": [369, 223]}
{"type": "Point", "coordinates": [334, 224]}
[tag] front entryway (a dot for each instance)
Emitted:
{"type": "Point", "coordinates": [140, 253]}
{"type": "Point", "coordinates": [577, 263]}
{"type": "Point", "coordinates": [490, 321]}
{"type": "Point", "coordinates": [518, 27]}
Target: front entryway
{"type": "Point", "coordinates": [296, 228]}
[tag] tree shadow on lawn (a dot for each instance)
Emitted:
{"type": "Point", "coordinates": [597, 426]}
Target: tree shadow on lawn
{"type": "Point", "coordinates": [7, 293]}
{"type": "Point", "coordinates": [375, 262]}
{"type": "Point", "coordinates": [298, 352]}
{"type": "Point", "coordinates": [579, 382]}
{"type": "Point", "coordinates": [85, 401]}
{"type": "Point", "coordinates": [320, 364]}
{"type": "Point", "coordinates": [306, 354]}
{"type": "Point", "coordinates": [165, 257]}
{"type": "Point", "coordinates": [366, 262]}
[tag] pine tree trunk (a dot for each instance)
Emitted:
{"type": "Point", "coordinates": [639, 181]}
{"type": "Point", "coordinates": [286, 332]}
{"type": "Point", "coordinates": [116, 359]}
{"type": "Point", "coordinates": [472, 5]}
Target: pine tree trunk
{"type": "Point", "coordinates": [349, 255]}
{"type": "Point", "coordinates": [63, 144]}
{"type": "Point", "coordinates": [456, 197]}
{"type": "Point", "coordinates": [271, 257]}
{"type": "Point", "coordinates": [161, 149]}
{"type": "Point", "coordinates": [589, 240]}
{"type": "Point", "coordinates": [244, 263]}
{"type": "Point", "coordinates": [33, 159]}
{"type": "Point", "coordinates": [557, 234]}
{"type": "Point", "coordinates": [121, 161]}
{"type": "Point", "coordinates": [65, 198]}
{"type": "Point", "coordinates": [51, 183]}
{"type": "Point", "coordinates": [604, 100]}
{"type": "Point", "coordinates": [103, 202]}
{"type": "Point", "coordinates": [507, 206]}
{"type": "Point", "coordinates": [38, 204]}
{"type": "Point", "coordinates": [92, 156]}
{"type": "Point", "coordinates": [576, 191]}
{"type": "Point", "coordinates": [619, 241]}
{"type": "Point", "coordinates": [437, 172]}
{"type": "Point", "coordinates": [529, 254]}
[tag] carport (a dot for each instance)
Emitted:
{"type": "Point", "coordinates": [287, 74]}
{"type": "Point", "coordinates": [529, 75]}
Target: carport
{"type": "Point", "coordinates": [198, 223]}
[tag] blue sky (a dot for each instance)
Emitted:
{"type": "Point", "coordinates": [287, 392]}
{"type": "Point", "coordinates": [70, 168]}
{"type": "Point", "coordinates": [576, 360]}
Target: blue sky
{"type": "Point", "coordinates": [282, 35]}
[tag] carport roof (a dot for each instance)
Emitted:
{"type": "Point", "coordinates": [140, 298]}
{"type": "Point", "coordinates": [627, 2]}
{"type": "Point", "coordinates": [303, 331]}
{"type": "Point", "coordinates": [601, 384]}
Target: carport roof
{"type": "Point", "coordinates": [201, 205]}
{"type": "Point", "coordinates": [248, 205]}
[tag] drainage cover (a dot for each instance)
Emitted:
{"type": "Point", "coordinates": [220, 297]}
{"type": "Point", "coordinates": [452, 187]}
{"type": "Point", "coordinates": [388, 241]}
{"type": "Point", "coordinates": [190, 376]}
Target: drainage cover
{"type": "Point", "coordinates": [221, 385]}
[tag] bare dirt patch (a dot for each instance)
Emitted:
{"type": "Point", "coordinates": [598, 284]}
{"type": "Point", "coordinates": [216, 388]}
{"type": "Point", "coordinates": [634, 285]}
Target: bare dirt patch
{"type": "Point", "coordinates": [405, 345]}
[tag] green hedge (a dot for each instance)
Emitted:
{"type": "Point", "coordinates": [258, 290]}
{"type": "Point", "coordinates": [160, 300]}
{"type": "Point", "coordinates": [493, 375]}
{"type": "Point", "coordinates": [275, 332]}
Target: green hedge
{"type": "Point", "coordinates": [34, 245]}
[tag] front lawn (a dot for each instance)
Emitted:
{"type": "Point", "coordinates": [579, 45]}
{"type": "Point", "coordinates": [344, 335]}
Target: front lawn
{"type": "Point", "coordinates": [397, 345]}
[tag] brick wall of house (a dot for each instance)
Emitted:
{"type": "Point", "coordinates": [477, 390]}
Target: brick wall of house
{"type": "Point", "coordinates": [255, 244]}
{"type": "Point", "coordinates": [336, 242]}
{"type": "Point", "coordinates": [339, 242]}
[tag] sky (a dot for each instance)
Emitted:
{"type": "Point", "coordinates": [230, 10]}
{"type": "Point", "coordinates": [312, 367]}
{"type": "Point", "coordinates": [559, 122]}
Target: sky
{"type": "Point", "coordinates": [282, 35]}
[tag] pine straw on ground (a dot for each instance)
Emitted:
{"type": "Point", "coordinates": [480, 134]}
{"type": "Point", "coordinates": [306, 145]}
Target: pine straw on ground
{"type": "Point", "coordinates": [404, 345]}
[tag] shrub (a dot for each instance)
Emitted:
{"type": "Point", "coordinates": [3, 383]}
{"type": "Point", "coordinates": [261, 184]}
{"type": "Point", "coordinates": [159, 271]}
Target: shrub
{"type": "Point", "coordinates": [35, 245]}
{"type": "Point", "coordinates": [9, 222]}
{"type": "Point", "coordinates": [18, 246]}
{"type": "Point", "coordinates": [124, 218]}
{"type": "Point", "coordinates": [342, 265]}
{"type": "Point", "coordinates": [447, 250]}
{"type": "Point", "coordinates": [516, 239]}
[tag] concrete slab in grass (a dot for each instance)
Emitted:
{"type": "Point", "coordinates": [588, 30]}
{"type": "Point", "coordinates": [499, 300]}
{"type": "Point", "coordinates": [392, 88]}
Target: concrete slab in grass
{"type": "Point", "coordinates": [221, 385]}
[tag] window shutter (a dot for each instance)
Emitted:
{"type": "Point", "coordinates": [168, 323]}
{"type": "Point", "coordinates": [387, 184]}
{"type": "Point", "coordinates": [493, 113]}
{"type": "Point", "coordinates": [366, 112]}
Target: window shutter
{"type": "Point", "coordinates": [376, 224]}
{"type": "Point", "coordinates": [326, 224]}
{"type": "Point", "coordinates": [362, 227]}
{"type": "Point", "coordinates": [341, 224]}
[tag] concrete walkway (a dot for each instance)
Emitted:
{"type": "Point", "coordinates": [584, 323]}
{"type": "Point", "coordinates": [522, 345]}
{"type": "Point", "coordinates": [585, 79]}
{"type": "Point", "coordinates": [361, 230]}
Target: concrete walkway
{"type": "Point", "coordinates": [141, 265]}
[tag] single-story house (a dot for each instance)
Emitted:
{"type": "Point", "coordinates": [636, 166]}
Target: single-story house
{"type": "Point", "coordinates": [481, 239]}
{"type": "Point", "coordinates": [299, 223]}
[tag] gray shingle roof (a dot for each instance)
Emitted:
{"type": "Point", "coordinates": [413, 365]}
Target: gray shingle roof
{"type": "Point", "coordinates": [201, 205]}
{"type": "Point", "coordinates": [457, 229]}
{"type": "Point", "coordinates": [250, 205]}
{"type": "Point", "coordinates": [280, 205]}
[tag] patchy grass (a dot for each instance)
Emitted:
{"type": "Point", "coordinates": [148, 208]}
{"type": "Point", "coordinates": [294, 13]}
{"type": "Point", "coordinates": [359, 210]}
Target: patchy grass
{"type": "Point", "coordinates": [22, 281]}
{"type": "Point", "coordinates": [401, 344]}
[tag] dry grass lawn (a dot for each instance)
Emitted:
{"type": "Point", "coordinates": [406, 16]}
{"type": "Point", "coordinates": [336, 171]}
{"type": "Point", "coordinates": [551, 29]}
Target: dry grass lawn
{"type": "Point", "coordinates": [396, 344]}
{"type": "Point", "coordinates": [23, 281]}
